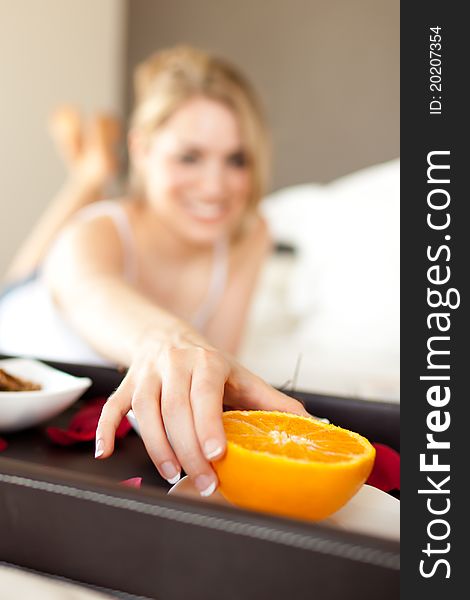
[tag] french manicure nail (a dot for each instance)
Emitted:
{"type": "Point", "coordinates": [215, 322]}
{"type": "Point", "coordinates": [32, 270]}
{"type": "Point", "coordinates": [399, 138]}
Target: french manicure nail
{"type": "Point", "coordinates": [170, 472]}
{"type": "Point", "coordinates": [321, 419]}
{"type": "Point", "coordinates": [99, 449]}
{"type": "Point", "coordinates": [212, 449]}
{"type": "Point", "coordinates": [205, 484]}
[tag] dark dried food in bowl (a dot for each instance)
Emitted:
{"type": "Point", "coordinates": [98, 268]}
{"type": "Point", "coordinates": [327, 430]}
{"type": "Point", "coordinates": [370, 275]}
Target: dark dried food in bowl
{"type": "Point", "coordinates": [10, 383]}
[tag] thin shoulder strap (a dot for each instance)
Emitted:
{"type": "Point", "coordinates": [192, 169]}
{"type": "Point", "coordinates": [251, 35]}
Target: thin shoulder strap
{"type": "Point", "coordinates": [115, 210]}
{"type": "Point", "coordinates": [217, 284]}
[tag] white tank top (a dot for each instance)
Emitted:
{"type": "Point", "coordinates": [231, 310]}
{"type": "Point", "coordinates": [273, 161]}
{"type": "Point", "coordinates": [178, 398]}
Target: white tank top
{"type": "Point", "coordinates": [31, 324]}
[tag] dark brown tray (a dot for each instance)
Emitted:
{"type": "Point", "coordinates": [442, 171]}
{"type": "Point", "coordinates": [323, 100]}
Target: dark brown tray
{"type": "Point", "coordinates": [65, 514]}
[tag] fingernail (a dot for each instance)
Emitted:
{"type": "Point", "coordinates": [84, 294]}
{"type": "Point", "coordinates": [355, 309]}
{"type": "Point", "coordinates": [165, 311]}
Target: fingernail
{"type": "Point", "coordinates": [321, 419]}
{"type": "Point", "coordinates": [170, 472]}
{"type": "Point", "coordinates": [212, 449]}
{"type": "Point", "coordinates": [205, 484]}
{"type": "Point", "coordinates": [99, 449]}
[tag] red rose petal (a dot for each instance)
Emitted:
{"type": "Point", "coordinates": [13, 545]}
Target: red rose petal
{"type": "Point", "coordinates": [135, 482]}
{"type": "Point", "coordinates": [386, 472]}
{"type": "Point", "coordinates": [3, 444]}
{"type": "Point", "coordinates": [82, 427]}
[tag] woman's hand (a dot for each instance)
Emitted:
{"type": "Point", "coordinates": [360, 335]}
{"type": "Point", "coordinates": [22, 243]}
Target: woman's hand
{"type": "Point", "coordinates": [177, 392]}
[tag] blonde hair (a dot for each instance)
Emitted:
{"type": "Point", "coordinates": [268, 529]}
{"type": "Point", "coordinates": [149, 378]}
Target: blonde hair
{"type": "Point", "coordinates": [170, 77]}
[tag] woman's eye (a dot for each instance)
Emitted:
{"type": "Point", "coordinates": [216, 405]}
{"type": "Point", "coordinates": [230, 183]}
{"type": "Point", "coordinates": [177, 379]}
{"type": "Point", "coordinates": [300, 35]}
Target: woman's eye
{"type": "Point", "coordinates": [188, 158]}
{"type": "Point", "coordinates": [237, 160]}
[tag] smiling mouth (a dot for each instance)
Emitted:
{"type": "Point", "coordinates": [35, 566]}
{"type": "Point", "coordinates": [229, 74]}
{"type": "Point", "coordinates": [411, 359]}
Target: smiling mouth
{"type": "Point", "coordinates": [207, 212]}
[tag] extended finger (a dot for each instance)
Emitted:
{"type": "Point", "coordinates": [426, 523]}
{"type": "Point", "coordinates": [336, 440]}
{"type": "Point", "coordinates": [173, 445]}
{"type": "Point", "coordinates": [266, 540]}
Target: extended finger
{"type": "Point", "coordinates": [257, 394]}
{"type": "Point", "coordinates": [291, 405]}
{"type": "Point", "coordinates": [114, 410]}
{"type": "Point", "coordinates": [206, 396]}
{"type": "Point", "coordinates": [179, 424]}
{"type": "Point", "coordinates": [146, 407]}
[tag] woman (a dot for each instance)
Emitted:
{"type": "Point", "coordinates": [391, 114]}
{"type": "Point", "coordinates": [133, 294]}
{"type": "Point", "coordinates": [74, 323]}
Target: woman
{"type": "Point", "coordinates": [161, 281]}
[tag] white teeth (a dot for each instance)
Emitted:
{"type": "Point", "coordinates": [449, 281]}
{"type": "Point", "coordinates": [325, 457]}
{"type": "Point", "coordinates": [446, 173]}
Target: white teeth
{"type": "Point", "coordinates": [210, 211]}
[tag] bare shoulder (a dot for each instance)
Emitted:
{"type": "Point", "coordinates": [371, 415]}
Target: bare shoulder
{"type": "Point", "coordinates": [248, 256]}
{"type": "Point", "coordinates": [261, 231]}
{"type": "Point", "coordinates": [86, 246]}
{"type": "Point", "coordinates": [257, 239]}
{"type": "Point", "coordinates": [250, 252]}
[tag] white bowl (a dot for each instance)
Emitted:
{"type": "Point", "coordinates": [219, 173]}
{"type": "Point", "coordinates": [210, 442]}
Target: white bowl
{"type": "Point", "coordinates": [370, 511]}
{"type": "Point", "coordinates": [19, 410]}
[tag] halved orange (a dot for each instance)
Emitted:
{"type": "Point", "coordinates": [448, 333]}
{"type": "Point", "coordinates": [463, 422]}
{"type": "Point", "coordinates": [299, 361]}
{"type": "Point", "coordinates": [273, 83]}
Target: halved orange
{"type": "Point", "coordinates": [290, 465]}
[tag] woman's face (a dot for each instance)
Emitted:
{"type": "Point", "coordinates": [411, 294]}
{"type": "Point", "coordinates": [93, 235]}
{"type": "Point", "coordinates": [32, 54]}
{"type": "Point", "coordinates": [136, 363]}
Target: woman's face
{"type": "Point", "coordinates": [196, 174]}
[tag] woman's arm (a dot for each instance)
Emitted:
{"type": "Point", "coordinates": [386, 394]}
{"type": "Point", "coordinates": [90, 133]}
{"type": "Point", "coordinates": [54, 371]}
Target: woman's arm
{"type": "Point", "coordinates": [84, 273]}
{"type": "Point", "coordinates": [177, 381]}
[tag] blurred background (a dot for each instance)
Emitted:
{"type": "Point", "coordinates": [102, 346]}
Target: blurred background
{"type": "Point", "coordinates": [327, 71]}
{"type": "Point", "coordinates": [328, 74]}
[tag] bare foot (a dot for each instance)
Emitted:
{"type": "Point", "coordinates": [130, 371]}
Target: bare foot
{"type": "Point", "coordinates": [89, 151]}
{"type": "Point", "coordinates": [98, 160]}
{"type": "Point", "coordinates": [66, 130]}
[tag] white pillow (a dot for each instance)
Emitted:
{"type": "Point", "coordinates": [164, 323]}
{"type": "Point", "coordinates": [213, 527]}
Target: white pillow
{"type": "Point", "coordinates": [337, 302]}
